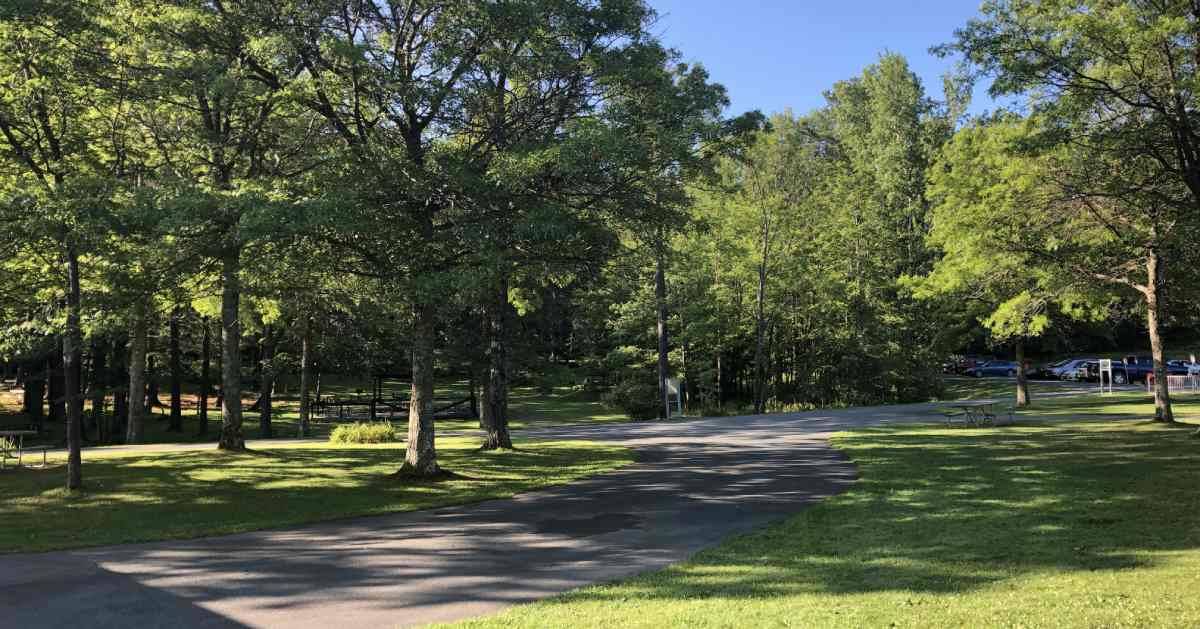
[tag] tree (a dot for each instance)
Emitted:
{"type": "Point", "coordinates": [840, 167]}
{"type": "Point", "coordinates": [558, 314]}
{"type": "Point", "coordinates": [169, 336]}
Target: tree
{"type": "Point", "coordinates": [987, 194]}
{"type": "Point", "coordinates": [52, 167]}
{"type": "Point", "coordinates": [207, 82]}
{"type": "Point", "coordinates": [672, 118]}
{"type": "Point", "coordinates": [444, 96]}
{"type": "Point", "coordinates": [1113, 84]}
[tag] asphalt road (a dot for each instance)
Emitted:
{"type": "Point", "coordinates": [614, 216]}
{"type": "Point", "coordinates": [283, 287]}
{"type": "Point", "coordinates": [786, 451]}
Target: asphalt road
{"type": "Point", "coordinates": [694, 484]}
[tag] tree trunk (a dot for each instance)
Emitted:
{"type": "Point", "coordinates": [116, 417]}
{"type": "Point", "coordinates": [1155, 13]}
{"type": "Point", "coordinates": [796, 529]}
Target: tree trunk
{"type": "Point", "coordinates": [420, 459]}
{"type": "Point", "coordinates": [720, 388]}
{"type": "Point", "coordinates": [473, 385]}
{"type": "Point", "coordinates": [35, 393]}
{"type": "Point", "coordinates": [1022, 381]}
{"type": "Point", "coordinates": [99, 382]}
{"type": "Point", "coordinates": [72, 342]}
{"type": "Point", "coordinates": [256, 382]}
{"type": "Point", "coordinates": [231, 359]}
{"type": "Point", "coordinates": [205, 376]}
{"type": "Point", "coordinates": [660, 307]}
{"type": "Point", "coordinates": [137, 378]}
{"type": "Point", "coordinates": [266, 384]}
{"type": "Point", "coordinates": [495, 394]}
{"type": "Point", "coordinates": [176, 423]}
{"type": "Point", "coordinates": [118, 379]}
{"type": "Point", "coordinates": [1162, 392]}
{"type": "Point", "coordinates": [152, 401]}
{"type": "Point", "coordinates": [760, 337]}
{"type": "Point", "coordinates": [685, 390]}
{"type": "Point", "coordinates": [57, 404]}
{"type": "Point", "coordinates": [305, 376]}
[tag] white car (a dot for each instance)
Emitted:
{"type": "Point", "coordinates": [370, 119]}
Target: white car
{"type": "Point", "coordinates": [1075, 369]}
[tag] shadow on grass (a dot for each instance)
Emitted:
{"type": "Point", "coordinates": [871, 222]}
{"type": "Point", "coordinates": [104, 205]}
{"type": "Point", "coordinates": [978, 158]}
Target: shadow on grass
{"type": "Point", "coordinates": [171, 495]}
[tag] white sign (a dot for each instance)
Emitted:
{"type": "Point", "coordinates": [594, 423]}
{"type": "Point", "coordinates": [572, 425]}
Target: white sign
{"type": "Point", "coordinates": [1106, 368]}
{"type": "Point", "coordinates": [674, 398]}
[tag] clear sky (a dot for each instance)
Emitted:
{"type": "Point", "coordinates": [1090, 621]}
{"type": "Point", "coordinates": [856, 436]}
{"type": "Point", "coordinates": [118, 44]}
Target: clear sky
{"type": "Point", "coordinates": [775, 54]}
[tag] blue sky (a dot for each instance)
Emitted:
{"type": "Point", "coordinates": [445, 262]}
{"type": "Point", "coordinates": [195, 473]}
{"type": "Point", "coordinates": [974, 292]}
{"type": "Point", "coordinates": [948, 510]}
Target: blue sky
{"type": "Point", "coordinates": [775, 54]}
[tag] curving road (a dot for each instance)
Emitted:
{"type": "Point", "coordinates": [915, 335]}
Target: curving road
{"type": "Point", "coordinates": [695, 483]}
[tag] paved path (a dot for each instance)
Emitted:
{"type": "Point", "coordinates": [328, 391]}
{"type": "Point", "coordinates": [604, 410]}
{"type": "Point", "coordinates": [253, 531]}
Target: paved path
{"type": "Point", "coordinates": [694, 484]}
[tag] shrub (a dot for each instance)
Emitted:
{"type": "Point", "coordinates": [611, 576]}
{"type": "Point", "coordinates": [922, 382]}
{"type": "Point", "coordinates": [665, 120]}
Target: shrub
{"type": "Point", "coordinates": [553, 377]}
{"type": "Point", "coordinates": [364, 432]}
{"type": "Point", "coordinates": [636, 397]}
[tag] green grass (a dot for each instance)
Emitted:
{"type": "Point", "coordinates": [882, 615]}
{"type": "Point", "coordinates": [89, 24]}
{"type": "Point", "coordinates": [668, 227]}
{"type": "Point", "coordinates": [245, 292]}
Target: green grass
{"type": "Point", "coordinates": [172, 495]}
{"type": "Point", "coordinates": [1085, 521]}
{"type": "Point", "coordinates": [527, 408]}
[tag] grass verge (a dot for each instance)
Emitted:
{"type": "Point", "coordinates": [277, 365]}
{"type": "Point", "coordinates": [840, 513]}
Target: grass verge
{"type": "Point", "coordinates": [173, 495]}
{"type": "Point", "coordinates": [1078, 522]}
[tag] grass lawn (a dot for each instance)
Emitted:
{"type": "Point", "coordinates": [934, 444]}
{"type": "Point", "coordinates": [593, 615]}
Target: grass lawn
{"type": "Point", "coordinates": [1085, 521]}
{"type": "Point", "coordinates": [170, 495]}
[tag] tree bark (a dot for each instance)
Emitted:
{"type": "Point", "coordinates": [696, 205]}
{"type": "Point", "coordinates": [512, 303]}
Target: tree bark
{"type": "Point", "coordinates": [118, 379]}
{"type": "Point", "coordinates": [152, 401]}
{"type": "Point", "coordinates": [1162, 392]}
{"type": "Point", "coordinates": [231, 359]}
{"type": "Point", "coordinates": [495, 394]}
{"type": "Point", "coordinates": [99, 382]}
{"type": "Point", "coordinates": [56, 402]}
{"type": "Point", "coordinates": [420, 459]}
{"type": "Point", "coordinates": [176, 422]}
{"type": "Point", "coordinates": [1022, 381]}
{"type": "Point", "coordinates": [137, 378]}
{"type": "Point", "coordinates": [256, 382]}
{"type": "Point", "coordinates": [205, 376]}
{"type": "Point", "coordinates": [305, 376]}
{"type": "Point", "coordinates": [760, 337]}
{"type": "Point", "coordinates": [660, 307]}
{"type": "Point", "coordinates": [72, 342]}
{"type": "Point", "coordinates": [266, 384]}
{"type": "Point", "coordinates": [35, 393]}
{"type": "Point", "coordinates": [720, 388]}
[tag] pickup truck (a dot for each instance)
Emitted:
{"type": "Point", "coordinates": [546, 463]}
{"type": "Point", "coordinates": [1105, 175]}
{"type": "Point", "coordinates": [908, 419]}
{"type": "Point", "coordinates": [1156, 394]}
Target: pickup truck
{"type": "Point", "coordinates": [1134, 369]}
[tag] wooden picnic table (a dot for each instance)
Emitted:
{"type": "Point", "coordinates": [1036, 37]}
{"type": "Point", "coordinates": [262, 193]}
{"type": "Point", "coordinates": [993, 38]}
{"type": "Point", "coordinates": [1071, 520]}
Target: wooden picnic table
{"type": "Point", "coordinates": [15, 440]}
{"type": "Point", "coordinates": [972, 412]}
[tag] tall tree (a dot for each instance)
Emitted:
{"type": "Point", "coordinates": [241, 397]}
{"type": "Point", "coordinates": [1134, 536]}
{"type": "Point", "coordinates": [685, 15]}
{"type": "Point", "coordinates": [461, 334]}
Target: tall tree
{"type": "Point", "coordinates": [1114, 83]}
{"type": "Point", "coordinates": [53, 162]}
{"type": "Point", "coordinates": [208, 92]}
{"type": "Point", "coordinates": [989, 200]}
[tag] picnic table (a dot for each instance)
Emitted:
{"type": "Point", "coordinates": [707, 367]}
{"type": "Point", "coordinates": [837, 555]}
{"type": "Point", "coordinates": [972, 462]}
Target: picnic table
{"type": "Point", "coordinates": [974, 412]}
{"type": "Point", "coordinates": [14, 441]}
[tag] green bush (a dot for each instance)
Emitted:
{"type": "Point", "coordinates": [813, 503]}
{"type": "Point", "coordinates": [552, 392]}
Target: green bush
{"type": "Point", "coordinates": [636, 397]}
{"type": "Point", "coordinates": [364, 432]}
{"type": "Point", "coordinates": [553, 377]}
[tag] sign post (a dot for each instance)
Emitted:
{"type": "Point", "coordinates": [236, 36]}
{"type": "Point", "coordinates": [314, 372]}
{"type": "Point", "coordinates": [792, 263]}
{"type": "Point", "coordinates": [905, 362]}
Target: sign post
{"type": "Point", "coordinates": [674, 398]}
{"type": "Point", "coordinates": [1106, 368]}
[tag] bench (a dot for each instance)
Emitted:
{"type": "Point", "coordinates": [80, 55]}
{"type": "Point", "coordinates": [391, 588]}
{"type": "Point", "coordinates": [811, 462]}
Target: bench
{"type": "Point", "coordinates": [12, 445]}
{"type": "Point", "coordinates": [43, 450]}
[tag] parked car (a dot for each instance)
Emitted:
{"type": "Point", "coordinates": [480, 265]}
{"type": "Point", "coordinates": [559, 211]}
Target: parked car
{"type": "Point", "coordinates": [1047, 371]}
{"type": "Point", "coordinates": [994, 368]}
{"type": "Point", "coordinates": [1073, 369]}
{"type": "Point", "coordinates": [960, 364]}
{"type": "Point", "coordinates": [1136, 368]}
{"type": "Point", "coordinates": [1119, 374]}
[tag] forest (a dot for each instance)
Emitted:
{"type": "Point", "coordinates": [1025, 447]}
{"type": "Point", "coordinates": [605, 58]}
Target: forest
{"type": "Point", "coordinates": [221, 196]}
